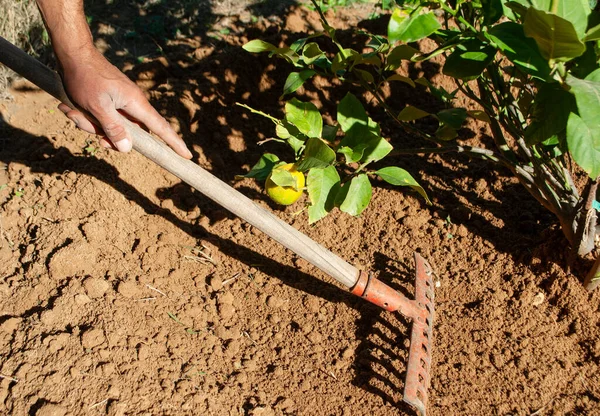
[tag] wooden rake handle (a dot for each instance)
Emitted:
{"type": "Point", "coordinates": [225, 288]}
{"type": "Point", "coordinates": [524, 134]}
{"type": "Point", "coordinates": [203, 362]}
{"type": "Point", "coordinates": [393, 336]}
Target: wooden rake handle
{"type": "Point", "coordinates": [194, 175]}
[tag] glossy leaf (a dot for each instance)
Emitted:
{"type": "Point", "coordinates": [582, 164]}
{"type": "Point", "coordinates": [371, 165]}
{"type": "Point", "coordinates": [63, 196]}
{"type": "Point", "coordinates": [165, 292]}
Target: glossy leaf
{"type": "Point", "coordinates": [341, 60]}
{"type": "Point", "coordinates": [305, 116]}
{"type": "Point", "coordinates": [398, 77]}
{"type": "Point", "coordinates": [398, 54]}
{"type": "Point", "coordinates": [350, 113]}
{"type": "Point", "coordinates": [453, 117]}
{"type": "Point", "coordinates": [296, 79]}
{"type": "Point", "coordinates": [468, 60]}
{"type": "Point", "coordinates": [521, 50]}
{"type": "Point", "coordinates": [406, 28]}
{"type": "Point", "coordinates": [257, 45]}
{"type": "Point", "coordinates": [583, 131]}
{"type": "Point", "coordinates": [446, 132]}
{"type": "Point", "coordinates": [356, 195]}
{"type": "Point", "coordinates": [317, 154]}
{"type": "Point", "coordinates": [551, 107]}
{"type": "Point", "coordinates": [377, 148]}
{"type": "Point", "coordinates": [411, 113]}
{"type": "Point", "coordinates": [263, 167]}
{"type": "Point", "coordinates": [584, 145]}
{"type": "Point", "coordinates": [555, 36]}
{"type": "Point", "coordinates": [311, 53]}
{"type": "Point", "coordinates": [330, 132]}
{"type": "Point", "coordinates": [284, 178]}
{"type": "Point", "coordinates": [319, 184]}
{"type": "Point", "coordinates": [492, 11]}
{"type": "Point", "coordinates": [400, 177]}
{"type": "Point", "coordinates": [479, 115]}
{"type": "Point", "coordinates": [592, 34]}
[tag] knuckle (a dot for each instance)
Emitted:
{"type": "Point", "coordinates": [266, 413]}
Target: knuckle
{"type": "Point", "coordinates": [114, 130]}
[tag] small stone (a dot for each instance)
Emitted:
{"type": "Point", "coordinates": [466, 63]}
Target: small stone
{"type": "Point", "coordinates": [273, 302]}
{"type": "Point", "coordinates": [92, 338]}
{"type": "Point", "coordinates": [95, 288]}
{"type": "Point", "coordinates": [82, 299]}
{"type": "Point", "coordinates": [216, 283]}
{"type": "Point", "coordinates": [538, 299]}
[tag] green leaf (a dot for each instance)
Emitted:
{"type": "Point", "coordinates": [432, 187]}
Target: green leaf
{"type": "Point", "coordinates": [510, 38]}
{"type": "Point", "coordinates": [356, 195]}
{"type": "Point", "coordinates": [350, 112]}
{"type": "Point", "coordinates": [311, 53]}
{"type": "Point", "coordinates": [319, 184]}
{"type": "Point", "coordinates": [330, 132]}
{"type": "Point", "coordinates": [583, 132]}
{"type": "Point", "coordinates": [257, 45]}
{"type": "Point", "coordinates": [555, 36]}
{"type": "Point", "coordinates": [341, 59]}
{"type": "Point", "coordinates": [400, 177]}
{"type": "Point", "coordinates": [317, 154]}
{"type": "Point", "coordinates": [584, 145]}
{"type": "Point", "coordinates": [305, 116]}
{"type": "Point", "coordinates": [576, 12]}
{"type": "Point", "coordinates": [263, 167]}
{"type": "Point", "coordinates": [479, 115]}
{"type": "Point", "coordinates": [296, 79]}
{"type": "Point", "coordinates": [492, 11]}
{"type": "Point", "coordinates": [398, 77]}
{"type": "Point", "coordinates": [284, 178]}
{"type": "Point", "coordinates": [453, 117]}
{"type": "Point", "coordinates": [469, 59]}
{"type": "Point", "coordinates": [377, 148]}
{"type": "Point", "coordinates": [446, 132]}
{"type": "Point", "coordinates": [592, 34]}
{"type": "Point", "coordinates": [411, 113]}
{"type": "Point", "coordinates": [353, 153]}
{"type": "Point", "coordinates": [398, 54]}
{"type": "Point", "coordinates": [551, 108]}
{"type": "Point", "coordinates": [364, 75]}
{"type": "Point", "coordinates": [411, 28]}
{"type": "Point", "coordinates": [363, 141]}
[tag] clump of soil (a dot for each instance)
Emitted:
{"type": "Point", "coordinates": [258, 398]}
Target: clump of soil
{"type": "Point", "coordinates": [123, 291]}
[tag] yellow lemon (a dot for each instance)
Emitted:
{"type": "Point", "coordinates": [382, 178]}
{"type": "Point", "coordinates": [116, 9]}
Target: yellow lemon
{"type": "Point", "coordinates": [285, 195]}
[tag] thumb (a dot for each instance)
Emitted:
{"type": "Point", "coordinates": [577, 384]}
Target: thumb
{"type": "Point", "coordinates": [113, 125]}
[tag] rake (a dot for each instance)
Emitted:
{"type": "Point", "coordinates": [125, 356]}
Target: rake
{"type": "Point", "coordinates": [420, 309]}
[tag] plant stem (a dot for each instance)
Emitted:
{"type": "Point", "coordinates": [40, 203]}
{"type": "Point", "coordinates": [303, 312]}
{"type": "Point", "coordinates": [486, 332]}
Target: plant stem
{"type": "Point", "coordinates": [592, 280]}
{"type": "Point", "coordinates": [585, 231]}
{"type": "Point", "coordinates": [470, 150]}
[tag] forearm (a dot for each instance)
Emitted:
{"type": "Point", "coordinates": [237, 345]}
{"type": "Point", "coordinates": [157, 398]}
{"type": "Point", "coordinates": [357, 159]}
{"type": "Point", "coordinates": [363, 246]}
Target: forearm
{"type": "Point", "coordinates": [70, 34]}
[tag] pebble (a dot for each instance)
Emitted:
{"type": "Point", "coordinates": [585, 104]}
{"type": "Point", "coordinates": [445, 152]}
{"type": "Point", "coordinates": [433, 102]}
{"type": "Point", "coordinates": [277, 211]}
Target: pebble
{"type": "Point", "coordinates": [95, 287]}
{"type": "Point", "coordinates": [92, 338]}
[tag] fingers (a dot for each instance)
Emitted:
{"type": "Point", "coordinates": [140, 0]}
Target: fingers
{"type": "Point", "coordinates": [114, 128]}
{"type": "Point", "coordinates": [78, 118]}
{"type": "Point", "coordinates": [144, 112]}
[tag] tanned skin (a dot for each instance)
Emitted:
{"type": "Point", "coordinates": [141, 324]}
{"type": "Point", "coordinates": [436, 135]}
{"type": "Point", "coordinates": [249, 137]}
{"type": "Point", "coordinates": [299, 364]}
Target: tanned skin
{"type": "Point", "coordinates": [95, 85]}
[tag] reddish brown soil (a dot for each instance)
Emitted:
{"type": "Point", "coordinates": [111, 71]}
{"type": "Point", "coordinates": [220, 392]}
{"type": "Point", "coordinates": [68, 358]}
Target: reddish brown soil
{"type": "Point", "coordinates": [105, 308]}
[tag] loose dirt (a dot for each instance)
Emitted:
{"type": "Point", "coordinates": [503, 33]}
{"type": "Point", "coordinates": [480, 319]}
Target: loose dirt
{"type": "Point", "coordinates": [124, 292]}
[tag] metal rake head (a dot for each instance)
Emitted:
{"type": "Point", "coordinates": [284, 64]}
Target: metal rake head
{"type": "Point", "coordinates": [421, 311]}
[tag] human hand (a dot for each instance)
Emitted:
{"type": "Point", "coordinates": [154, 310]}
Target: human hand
{"type": "Point", "coordinates": [103, 91]}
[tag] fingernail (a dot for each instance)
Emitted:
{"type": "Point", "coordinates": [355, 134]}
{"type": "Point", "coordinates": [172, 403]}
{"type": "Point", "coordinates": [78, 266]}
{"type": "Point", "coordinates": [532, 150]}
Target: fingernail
{"type": "Point", "coordinates": [123, 145]}
{"type": "Point", "coordinates": [188, 154]}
